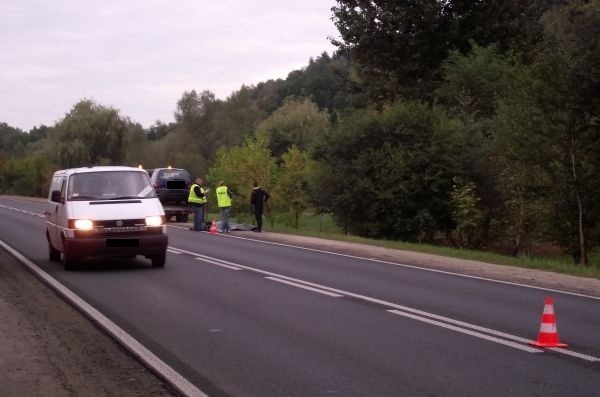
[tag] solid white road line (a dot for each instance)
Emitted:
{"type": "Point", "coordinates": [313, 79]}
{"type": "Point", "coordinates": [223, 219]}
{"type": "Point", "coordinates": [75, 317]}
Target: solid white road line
{"type": "Point", "coordinates": [431, 317]}
{"type": "Point", "coordinates": [218, 263]}
{"type": "Point", "coordinates": [320, 291]}
{"type": "Point", "coordinates": [466, 331]}
{"type": "Point", "coordinates": [419, 268]}
{"type": "Point", "coordinates": [173, 251]}
{"type": "Point", "coordinates": [165, 371]}
{"type": "Point", "coordinates": [574, 354]}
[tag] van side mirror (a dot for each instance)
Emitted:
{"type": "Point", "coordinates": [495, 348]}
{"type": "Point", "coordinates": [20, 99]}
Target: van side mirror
{"type": "Point", "coordinates": [56, 197]}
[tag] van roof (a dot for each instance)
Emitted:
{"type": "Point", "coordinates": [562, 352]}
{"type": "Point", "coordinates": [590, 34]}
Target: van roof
{"type": "Point", "coordinates": [80, 170]}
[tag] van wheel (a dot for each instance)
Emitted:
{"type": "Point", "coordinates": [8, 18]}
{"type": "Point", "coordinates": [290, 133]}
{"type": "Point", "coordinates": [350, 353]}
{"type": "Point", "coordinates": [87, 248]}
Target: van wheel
{"type": "Point", "coordinates": [53, 254]}
{"type": "Point", "coordinates": [69, 260]}
{"type": "Point", "coordinates": [159, 260]}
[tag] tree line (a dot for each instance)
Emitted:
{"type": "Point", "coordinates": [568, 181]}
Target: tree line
{"type": "Point", "coordinates": [472, 123]}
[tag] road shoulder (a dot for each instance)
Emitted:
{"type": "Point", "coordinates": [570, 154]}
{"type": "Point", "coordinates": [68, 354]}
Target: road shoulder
{"type": "Point", "coordinates": [48, 348]}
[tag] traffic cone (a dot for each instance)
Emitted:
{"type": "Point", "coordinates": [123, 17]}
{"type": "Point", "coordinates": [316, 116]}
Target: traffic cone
{"type": "Point", "coordinates": [548, 336]}
{"type": "Point", "coordinates": [213, 227]}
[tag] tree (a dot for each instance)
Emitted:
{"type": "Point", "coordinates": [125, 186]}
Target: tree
{"type": "Point", "coordinates": [472, 86]}
{"type": "Point", "coordinates": [195, 118]}
{"type": "Point", "coordinates": [90, 134]}
{"type": "Point", "coordinates": [553, 107]}
{"type": "Point", "coordinates": [466, 212]}
{"type": "Point", "coordinates": [241, 165]}
{"type": "Point", "coordinates": [291, 191]}
{"type": "Point", "coordinates": [570, 69]}
{"type": "Point", "coordinates": [159, 130]}
{"type": "Point", "coordinates": [388, 174]}
{"type": "Point", "coordinates": [13, 141]}
{"type": "Point", "coordinates": [298, 122]}
{"type": "Point", "coordinates": [401, 45]}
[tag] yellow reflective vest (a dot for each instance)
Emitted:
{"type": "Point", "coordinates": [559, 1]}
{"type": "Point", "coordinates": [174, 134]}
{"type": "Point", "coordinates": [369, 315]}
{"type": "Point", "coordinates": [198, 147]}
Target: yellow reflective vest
{"type": "Point", "coordinates": [223, 199]}
{"type": "Point", "coordinates": [193, 198]}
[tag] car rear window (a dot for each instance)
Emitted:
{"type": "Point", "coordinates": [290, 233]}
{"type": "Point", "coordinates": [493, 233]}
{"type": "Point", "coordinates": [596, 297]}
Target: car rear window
{"type": "Point", "coordinates": [174, 174]}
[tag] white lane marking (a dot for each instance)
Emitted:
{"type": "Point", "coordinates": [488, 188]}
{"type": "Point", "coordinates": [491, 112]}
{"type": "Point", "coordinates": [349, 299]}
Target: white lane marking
{"type": "Point", "coordinates": [374, 300]}
{"type": "Point", "coordinates": [218, 264]}
{"type": "Point", "coordinates": [466, 331]}
{"type": "Point", "coordinates": [22, 211]}
{"type": "Point", "coordinates": [393, 263]}
{"type": "Point", "coordinates": [420, 268]}
{"type": "Point", "coordinates": [179, 227]}
{"type": "Point", "coordinates": [210, 258]}
{"type": "Point", "coordinates": [320, 291]}
{"type": "Point", "coordinates": [165, 371]}
{"type": "Point", "coordinates": [173, 251]}
{"type": "Point", "coordinates": [574, 354]}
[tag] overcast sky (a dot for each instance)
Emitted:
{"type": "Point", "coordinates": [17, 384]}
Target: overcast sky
{"type": "Point", "coordinates": [139, 56]}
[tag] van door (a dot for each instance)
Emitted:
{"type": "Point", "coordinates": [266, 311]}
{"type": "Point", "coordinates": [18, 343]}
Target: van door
{"type": "Point", "coordinates": [56, 208]}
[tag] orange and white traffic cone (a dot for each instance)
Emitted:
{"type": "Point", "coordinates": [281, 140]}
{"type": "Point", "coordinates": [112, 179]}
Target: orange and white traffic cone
{"type": "Point", "coordinates": [548, 336]}
{"type": "Point", "coordinates": [213, 227]}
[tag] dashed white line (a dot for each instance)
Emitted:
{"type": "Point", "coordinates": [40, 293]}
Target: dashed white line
{"type": "Point", "coordinates": [459, 326]}
{"type": "Point", "coordinates": [320, 291]}
{"type": "Point", "coordinates": [418, 268]}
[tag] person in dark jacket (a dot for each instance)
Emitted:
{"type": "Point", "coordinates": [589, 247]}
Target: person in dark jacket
{"type": "Point", "coordinates": [258, 198]}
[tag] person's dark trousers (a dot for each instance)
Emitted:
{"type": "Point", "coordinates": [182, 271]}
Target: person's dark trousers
{"type": "Point", "coordinates": [225, 219]}
{"type": "Point", "coordinates": [198, 220]}
{"type": "Point", "coordinates": [258, 212]}
{"type": "Point", "coordinates": [203, 206]}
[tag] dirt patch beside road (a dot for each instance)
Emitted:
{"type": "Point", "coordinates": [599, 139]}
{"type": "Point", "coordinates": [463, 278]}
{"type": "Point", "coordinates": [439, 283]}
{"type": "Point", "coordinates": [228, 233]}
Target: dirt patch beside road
{"type": "Point", "coordinates": [47, 348]}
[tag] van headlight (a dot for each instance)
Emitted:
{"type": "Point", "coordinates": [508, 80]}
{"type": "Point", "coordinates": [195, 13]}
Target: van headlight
{"type": "Point", "coordinates": [156, 220]}
{"type": "Point", "coordinates": [83, 224]}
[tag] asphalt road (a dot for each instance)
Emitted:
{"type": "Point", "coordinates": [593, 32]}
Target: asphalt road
{"type": "Point", "coordinates": [240, 317]}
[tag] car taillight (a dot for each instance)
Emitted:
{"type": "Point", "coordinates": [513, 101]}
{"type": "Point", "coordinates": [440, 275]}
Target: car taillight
{"type": "Point", "coordinates": [156, 185]}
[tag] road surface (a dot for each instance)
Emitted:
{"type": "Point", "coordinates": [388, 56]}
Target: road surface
{"type": "Point", "coordinates": [239, 317]}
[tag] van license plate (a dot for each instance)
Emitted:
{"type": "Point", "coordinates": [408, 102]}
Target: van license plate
{"type": "Point", "coordinates": [122, 242]}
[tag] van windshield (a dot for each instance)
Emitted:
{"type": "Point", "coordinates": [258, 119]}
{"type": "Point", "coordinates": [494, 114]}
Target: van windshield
{"type": "Point", "coordinates": [110, 185]}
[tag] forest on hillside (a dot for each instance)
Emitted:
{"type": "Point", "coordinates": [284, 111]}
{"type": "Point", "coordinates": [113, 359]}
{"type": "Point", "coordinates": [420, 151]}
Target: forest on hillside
{"type": "Point", "coordinates": [469, 123]}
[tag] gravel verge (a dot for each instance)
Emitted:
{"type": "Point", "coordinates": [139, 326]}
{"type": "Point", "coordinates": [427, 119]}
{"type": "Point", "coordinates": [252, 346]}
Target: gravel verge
{"type": "Point", "coordinates": [47, 348]}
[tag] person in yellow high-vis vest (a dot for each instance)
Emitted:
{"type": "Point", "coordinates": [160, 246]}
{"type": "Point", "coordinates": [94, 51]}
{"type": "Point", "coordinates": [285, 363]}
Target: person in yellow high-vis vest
{"type": "Point", "coordinates": [224, 204]}
{"type": "Point", "coordinates": [197, 199]}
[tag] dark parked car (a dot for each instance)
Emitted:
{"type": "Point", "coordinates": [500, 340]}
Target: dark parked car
{"type": "Point", "coordinates": [172, 188]}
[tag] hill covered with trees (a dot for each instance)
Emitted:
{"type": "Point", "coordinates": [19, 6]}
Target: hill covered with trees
{"type": "Point", "coordinates": [467, 123]}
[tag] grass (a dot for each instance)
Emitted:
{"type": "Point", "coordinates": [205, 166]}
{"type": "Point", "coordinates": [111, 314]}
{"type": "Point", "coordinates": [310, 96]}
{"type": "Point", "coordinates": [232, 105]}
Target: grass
{"type": "Point", "coordinates": [324, 227]}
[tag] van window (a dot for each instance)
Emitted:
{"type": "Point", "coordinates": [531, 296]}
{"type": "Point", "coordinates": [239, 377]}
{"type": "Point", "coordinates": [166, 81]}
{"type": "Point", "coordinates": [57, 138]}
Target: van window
{"type": "Point", "coordinates": [110, 185]}
{"type": "Point", "coordinates": [58, 183]}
